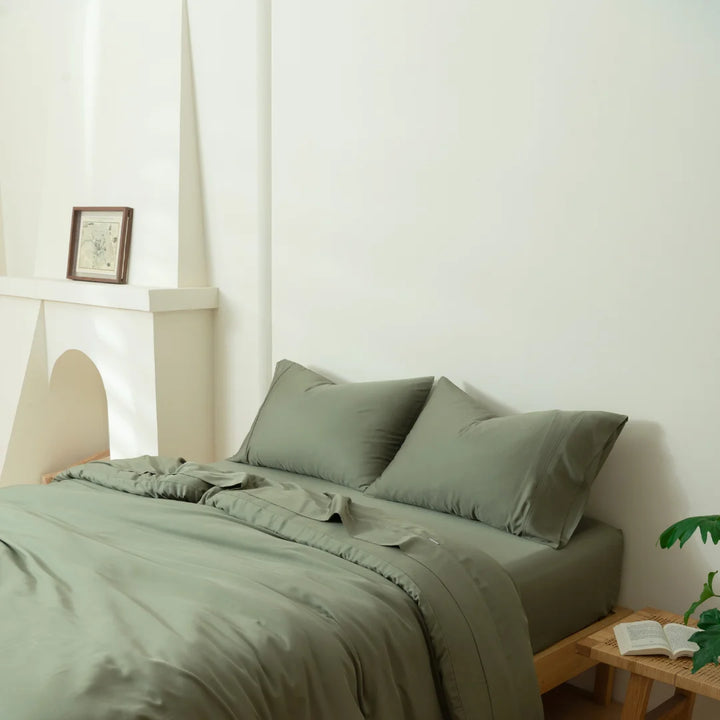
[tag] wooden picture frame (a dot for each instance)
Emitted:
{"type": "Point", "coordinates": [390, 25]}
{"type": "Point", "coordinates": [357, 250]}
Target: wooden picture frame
{"type": "Point", "coordinates": [100, 244]}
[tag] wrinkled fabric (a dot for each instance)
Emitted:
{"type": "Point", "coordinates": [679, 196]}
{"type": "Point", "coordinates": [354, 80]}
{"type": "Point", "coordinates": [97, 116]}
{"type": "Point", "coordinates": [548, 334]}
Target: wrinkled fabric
{"type": "Point", "coordinates": [172, 478]}
{"type": "Point", "coordinates": [128, 604]}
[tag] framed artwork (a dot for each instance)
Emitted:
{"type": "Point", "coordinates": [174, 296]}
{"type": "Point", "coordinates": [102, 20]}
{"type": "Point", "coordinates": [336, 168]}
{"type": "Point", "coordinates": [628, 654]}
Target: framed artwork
{"type": "Point", "coordinates": [100, 244]}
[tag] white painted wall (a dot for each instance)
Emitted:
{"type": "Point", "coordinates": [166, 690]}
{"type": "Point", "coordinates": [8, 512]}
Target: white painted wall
{"type": "Point", "coordinates": [121, 345]}
{"type": "Point", "coordinates": [231, 54]}
{"type": "Point", "coordinates": [184, 384]}
{"type": "Point", "coordinates": [23, 392]}
{"type": "Point", "coordinates": [519, 195]}
{"type": "Point", "coordinates": [91, 96]}
{"type": "Point", "coordinates": [522, 196]}
{"type": "Point", "coordinates": [18, 324]}
{"type": "Point", "coordinates": [102, 111]}
{"type": "Point", "coordinates": [79, 378]}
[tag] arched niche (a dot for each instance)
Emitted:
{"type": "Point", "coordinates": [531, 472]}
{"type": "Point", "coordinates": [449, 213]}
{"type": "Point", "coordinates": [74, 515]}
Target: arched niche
{"type": "Point", "coordinates": [77, 411]}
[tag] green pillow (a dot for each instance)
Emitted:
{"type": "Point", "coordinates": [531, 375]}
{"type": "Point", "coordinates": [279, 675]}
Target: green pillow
{"type": "Point", "coordinates": [346, 433]}
{"type": "Point", "coordinates": [528, 474]}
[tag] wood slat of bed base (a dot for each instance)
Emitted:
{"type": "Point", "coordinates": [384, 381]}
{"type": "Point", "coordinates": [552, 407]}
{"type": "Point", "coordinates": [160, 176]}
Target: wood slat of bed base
{"type": "Point", "coordinates": [560, 663]}
{"type": "Point", "coordinates": [48, 477]}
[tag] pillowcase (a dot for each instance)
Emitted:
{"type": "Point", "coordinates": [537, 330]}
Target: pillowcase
{"type": "Point", "coordinates": [528, 474]}
{"type": "Point", "coordinates": [346, 433]}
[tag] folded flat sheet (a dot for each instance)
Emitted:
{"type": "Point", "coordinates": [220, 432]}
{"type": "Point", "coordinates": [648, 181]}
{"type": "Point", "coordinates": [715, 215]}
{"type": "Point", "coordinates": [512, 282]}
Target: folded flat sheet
{"type": "Point", "coordinates": [562, 591]}
{"type": "Point", "coordinates": [158, 589]}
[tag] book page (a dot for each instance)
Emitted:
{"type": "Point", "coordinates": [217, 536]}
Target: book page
{"type": "Point", "coordinates": [645, 636]}
{"type": "Point", "coordinates": [678, 638]}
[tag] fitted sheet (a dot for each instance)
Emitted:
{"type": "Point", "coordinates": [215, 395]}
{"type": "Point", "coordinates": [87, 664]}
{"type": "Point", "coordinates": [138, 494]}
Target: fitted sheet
{"type": "Point", "coordinates": [562, 591]}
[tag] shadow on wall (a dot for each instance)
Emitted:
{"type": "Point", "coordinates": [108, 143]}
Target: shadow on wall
{"type": "Point", "coordinates": [77, 419]}
{"type": "Point", "coordinates": [492, 405]}
{"type": "Point", "coordinates": [640, 492]}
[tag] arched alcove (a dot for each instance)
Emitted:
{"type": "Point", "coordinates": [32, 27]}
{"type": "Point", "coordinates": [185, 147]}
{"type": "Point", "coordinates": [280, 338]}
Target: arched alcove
{"type": "Point", "coordinates": [77, 419]}
{"type": "Point", "coordinates": [123, 368]}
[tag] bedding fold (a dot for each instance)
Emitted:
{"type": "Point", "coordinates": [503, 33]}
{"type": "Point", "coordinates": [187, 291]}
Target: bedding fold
{"type": "Point", "coordinates": [157, 588]}
{"type": "Point", "coordinates": [478, 634]}
{"type": "Point", "coordinates": [172, 478]}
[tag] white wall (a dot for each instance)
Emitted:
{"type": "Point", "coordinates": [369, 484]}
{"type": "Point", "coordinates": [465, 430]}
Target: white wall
{"type": "Point", "coordinates": [90, 92]}
{"type": "Point", "coordinates": [521, 196]}
{"type": "Point", "coordinates": [524, 199]}
{"type": "Point", "coordinates": [230, 55]}
{"type": "Point", "coordinates": [97, 108]}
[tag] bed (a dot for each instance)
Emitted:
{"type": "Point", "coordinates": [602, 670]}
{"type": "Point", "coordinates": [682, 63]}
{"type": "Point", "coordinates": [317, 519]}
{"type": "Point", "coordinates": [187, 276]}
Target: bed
{"type": "Point", "coordinates": [561, 592]}
{"type": "Point", "coordinates": [155, 588]}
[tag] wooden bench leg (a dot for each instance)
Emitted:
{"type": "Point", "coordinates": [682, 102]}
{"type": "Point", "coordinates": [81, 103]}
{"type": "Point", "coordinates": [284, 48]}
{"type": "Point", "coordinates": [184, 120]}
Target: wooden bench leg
{"type": "Point", "coordinates": [636, 698]}
{"type": "Point", "coordinates": [604, 678]}
{"type": "Point", "coordinates": [678, 707]}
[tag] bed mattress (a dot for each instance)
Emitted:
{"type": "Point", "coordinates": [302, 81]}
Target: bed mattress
{"type": "Point", "coordinates": [562, 591]}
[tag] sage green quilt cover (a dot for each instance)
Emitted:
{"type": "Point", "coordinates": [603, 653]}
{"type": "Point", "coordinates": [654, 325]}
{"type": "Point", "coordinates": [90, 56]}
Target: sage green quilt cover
{"type": "Point", "coordinates": [155, 589]}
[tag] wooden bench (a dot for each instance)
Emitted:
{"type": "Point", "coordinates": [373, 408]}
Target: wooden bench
{"type": "Point", "coordinates": [561, 661]}
{"type": "Point", "coordinates": [601, 647]}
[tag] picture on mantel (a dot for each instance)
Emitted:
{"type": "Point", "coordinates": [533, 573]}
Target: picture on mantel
{"type": "Point", "coordinates": [100, 244]}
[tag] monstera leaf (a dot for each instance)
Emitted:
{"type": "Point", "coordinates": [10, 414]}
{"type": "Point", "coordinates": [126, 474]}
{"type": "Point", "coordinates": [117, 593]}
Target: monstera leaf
{"type": "Point", "coordinates": [706, 593]}
{"type": "Point", "coordinates": [708, 638]}
{"type": "Point", "coordinates": [682, 531]}
{"type": "Point", "coordinates": [709, 619]}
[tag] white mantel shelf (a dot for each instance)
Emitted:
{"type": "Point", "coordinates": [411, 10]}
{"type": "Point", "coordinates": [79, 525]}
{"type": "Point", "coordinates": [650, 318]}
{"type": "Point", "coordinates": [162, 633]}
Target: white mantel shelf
{"type": "Point", "coordinates": [122, 297]}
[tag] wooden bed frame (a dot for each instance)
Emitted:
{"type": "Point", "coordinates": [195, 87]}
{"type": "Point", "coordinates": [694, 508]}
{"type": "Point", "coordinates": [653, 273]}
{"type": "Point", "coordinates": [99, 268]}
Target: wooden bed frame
{"type": "Point", "coordinates": [560, 663]}
{"type": "Point", "coordinates": [48, 477]}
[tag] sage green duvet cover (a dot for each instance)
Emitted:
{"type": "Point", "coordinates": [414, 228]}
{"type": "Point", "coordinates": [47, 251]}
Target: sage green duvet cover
{"type": "Point", "coordinates": [155, 589]}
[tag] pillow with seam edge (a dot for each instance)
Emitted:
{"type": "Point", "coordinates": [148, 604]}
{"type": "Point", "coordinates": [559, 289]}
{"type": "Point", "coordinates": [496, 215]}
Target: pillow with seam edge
{"type": "Point", "coordinates": [534, 494]}
{"type": "Point", "coordinates": [393, 406]}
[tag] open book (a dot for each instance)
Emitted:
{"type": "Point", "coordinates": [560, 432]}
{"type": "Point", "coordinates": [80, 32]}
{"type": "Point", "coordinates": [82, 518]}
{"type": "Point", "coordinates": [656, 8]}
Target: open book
{"type": "Point", "coordinates": [648, 637]}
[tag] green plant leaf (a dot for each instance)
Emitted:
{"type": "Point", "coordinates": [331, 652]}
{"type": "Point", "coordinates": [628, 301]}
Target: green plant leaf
{"type": "Point", "coordinates": [709, 642]}
{"type": "Point", "coordinates": [708, 618]}
{"type": "Point", "coordinates": [706, 593]}
{"type": "Point", "coordinates": [683, 530]}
